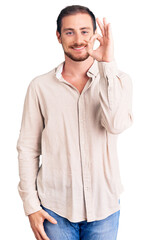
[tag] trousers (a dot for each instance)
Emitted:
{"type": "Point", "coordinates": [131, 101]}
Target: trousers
{"type": "Point", "coordinates": [105, 229]}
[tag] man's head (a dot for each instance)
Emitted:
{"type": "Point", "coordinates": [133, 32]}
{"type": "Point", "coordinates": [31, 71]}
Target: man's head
{"type": "Point", "coordinates": [75, 25]}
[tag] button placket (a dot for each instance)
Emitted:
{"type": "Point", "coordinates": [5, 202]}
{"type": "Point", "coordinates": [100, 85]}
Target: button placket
{"type": "Point", "coordinates": [85, 162]}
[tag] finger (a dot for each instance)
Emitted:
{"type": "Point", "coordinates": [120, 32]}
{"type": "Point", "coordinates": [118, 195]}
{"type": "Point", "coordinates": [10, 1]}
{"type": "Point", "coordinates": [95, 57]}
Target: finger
{"type": "Point", "coordinates": [50, 218]}
{"type": "Point", "coordinates": [108, 29]}
{"type": "Point", "coordinates": [90, 43]}
{"type": "Point", "coordinates": [43, 233]}
{"type": "Point", "coordinates": [105, 21]}
{"type": "Point", "coordinates": [109, 35]}
{"type": "Point", "coordinates": [94, 37]}
{"type": "Point", "coordinates": [38, 237]}
{"type": "Point", "coordinates": [100, 26]}
{"type": "Point", "coordinates": [106, 26]}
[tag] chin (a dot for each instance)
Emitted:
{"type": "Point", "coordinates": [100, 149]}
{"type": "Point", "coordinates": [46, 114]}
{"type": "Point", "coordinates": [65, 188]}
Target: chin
{"type": "Point", "coordinates": [77, 59]}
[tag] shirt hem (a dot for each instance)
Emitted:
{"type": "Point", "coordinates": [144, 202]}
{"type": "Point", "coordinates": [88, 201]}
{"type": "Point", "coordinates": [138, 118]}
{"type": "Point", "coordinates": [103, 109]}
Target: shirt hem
{"type": "Point", "coordinates": [82, 218]}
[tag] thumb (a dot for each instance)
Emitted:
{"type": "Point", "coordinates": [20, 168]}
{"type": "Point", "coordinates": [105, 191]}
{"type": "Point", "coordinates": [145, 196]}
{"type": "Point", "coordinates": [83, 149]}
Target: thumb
{"type": "Point", "coordinates": [50, 218]}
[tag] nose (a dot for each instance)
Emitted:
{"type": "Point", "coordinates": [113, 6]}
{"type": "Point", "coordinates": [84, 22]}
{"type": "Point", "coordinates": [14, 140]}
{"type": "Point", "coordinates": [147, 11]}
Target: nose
{"type": "Point", "coordinates": [78, 39]}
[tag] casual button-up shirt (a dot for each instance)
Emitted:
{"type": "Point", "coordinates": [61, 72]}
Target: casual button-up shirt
{"type": "Point", "coordinates": [76, 135]}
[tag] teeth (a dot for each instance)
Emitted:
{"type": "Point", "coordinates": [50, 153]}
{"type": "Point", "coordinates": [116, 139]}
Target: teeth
{"type": "Point", "coordinates": [79, 48]}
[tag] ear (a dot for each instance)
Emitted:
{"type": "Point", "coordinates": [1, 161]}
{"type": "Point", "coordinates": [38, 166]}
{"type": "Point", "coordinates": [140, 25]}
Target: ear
{"type": "Point", "coordinates": [58, 36]}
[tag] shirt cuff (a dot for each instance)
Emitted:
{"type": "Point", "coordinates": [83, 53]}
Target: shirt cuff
{"type": "Point", "coordinates": [109, 69]}
{"type": "Point", "coordinates": [31, 202]}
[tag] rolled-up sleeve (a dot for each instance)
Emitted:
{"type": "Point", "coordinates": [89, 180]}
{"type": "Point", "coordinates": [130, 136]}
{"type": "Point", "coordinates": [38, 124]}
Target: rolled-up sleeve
{"type": "Point", "coordinates": [115, 92]}
{"type": "Point", "coordinates": [29, 150]}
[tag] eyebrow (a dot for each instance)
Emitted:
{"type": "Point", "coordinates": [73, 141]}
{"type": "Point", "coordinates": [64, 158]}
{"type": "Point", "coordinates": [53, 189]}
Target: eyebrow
{"type": "Point", "coordinates": [67, 29]}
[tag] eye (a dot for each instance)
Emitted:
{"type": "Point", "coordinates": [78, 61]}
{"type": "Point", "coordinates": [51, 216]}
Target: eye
{"type": "Point", "coordinates": [69, 33]}
{"type": "Point", "coordinates": [85, 32]}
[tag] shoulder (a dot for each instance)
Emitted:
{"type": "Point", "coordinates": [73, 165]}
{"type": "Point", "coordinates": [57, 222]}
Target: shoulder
{"type": "Point", "coordinates": [45, 77]}
{"type": "Point", "coordinates": [43, 80]}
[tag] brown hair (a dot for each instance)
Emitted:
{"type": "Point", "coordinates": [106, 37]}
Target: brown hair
{"type": "Point", "coordinates": [71, 10]}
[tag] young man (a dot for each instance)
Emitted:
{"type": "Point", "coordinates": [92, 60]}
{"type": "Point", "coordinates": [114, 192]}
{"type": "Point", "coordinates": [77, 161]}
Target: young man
{"type": "Point", "coordinates": [72, 117]}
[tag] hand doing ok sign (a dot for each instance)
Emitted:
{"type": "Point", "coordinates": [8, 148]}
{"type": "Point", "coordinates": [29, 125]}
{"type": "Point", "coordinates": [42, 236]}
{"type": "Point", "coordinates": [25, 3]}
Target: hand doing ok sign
{"type": "Point", "coordinates": [105, 51]}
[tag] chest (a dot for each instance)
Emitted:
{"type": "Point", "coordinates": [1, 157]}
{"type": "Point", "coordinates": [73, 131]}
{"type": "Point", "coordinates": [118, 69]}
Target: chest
{"type": "Point", "coordinates": [78, 83]}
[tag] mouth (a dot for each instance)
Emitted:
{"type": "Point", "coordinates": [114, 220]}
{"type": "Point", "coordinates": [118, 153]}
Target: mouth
{"type": "Point", "coordinates": [78, 48]}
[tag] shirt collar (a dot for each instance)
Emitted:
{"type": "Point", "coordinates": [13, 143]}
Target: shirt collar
{"type": "Point", "coordinates": [92, 72]}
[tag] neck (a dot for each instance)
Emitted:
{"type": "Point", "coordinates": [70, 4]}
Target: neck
{"type": "Point", "coordinates": [77, 69]}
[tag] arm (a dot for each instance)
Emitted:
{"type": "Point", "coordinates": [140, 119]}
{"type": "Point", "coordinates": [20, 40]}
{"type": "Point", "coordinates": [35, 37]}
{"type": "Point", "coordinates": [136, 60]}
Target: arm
{"type": "Point", "coordinates": [29, 150]}
{"type": "Point", "coordinates": [115, 92]}
{"type": "Point", "coordinates": [115, 87]}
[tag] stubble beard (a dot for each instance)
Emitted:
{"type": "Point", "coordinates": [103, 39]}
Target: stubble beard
{"type": "Point", "coordinates": [73, 57]}
{"type": "Point", "coordinates": [77, 59]}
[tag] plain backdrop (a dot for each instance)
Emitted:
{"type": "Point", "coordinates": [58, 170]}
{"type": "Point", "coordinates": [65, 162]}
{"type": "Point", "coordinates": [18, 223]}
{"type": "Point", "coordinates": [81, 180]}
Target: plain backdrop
{"type": "Point", "coordinates": [28, 48]}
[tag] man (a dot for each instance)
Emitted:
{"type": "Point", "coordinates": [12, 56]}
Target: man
{"type": "Point", "coordinates": [72, 117]}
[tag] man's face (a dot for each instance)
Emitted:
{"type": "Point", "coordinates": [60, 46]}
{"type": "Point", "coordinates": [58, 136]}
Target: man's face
{"type": "Point", "coordinates": [74, 31]}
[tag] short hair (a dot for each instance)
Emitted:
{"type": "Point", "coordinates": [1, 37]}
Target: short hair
{"type": "Point", "coordinates": [74, 9]}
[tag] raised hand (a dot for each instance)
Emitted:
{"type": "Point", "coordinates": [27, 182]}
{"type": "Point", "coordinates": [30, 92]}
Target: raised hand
{"type": "Point", "coordinates": [105, 51]}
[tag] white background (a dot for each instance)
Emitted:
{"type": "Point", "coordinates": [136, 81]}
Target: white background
{"type": "Point", "coordinates": [29, 47]}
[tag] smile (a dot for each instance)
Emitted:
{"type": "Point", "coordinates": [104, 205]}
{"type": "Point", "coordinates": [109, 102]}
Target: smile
{"type": "Point", "coordinates": [79, 48]}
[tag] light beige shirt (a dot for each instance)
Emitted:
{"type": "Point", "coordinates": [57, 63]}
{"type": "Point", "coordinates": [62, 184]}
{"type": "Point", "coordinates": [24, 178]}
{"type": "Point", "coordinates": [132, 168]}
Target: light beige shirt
{"type": "Point", "coordinates": [76, 134]}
